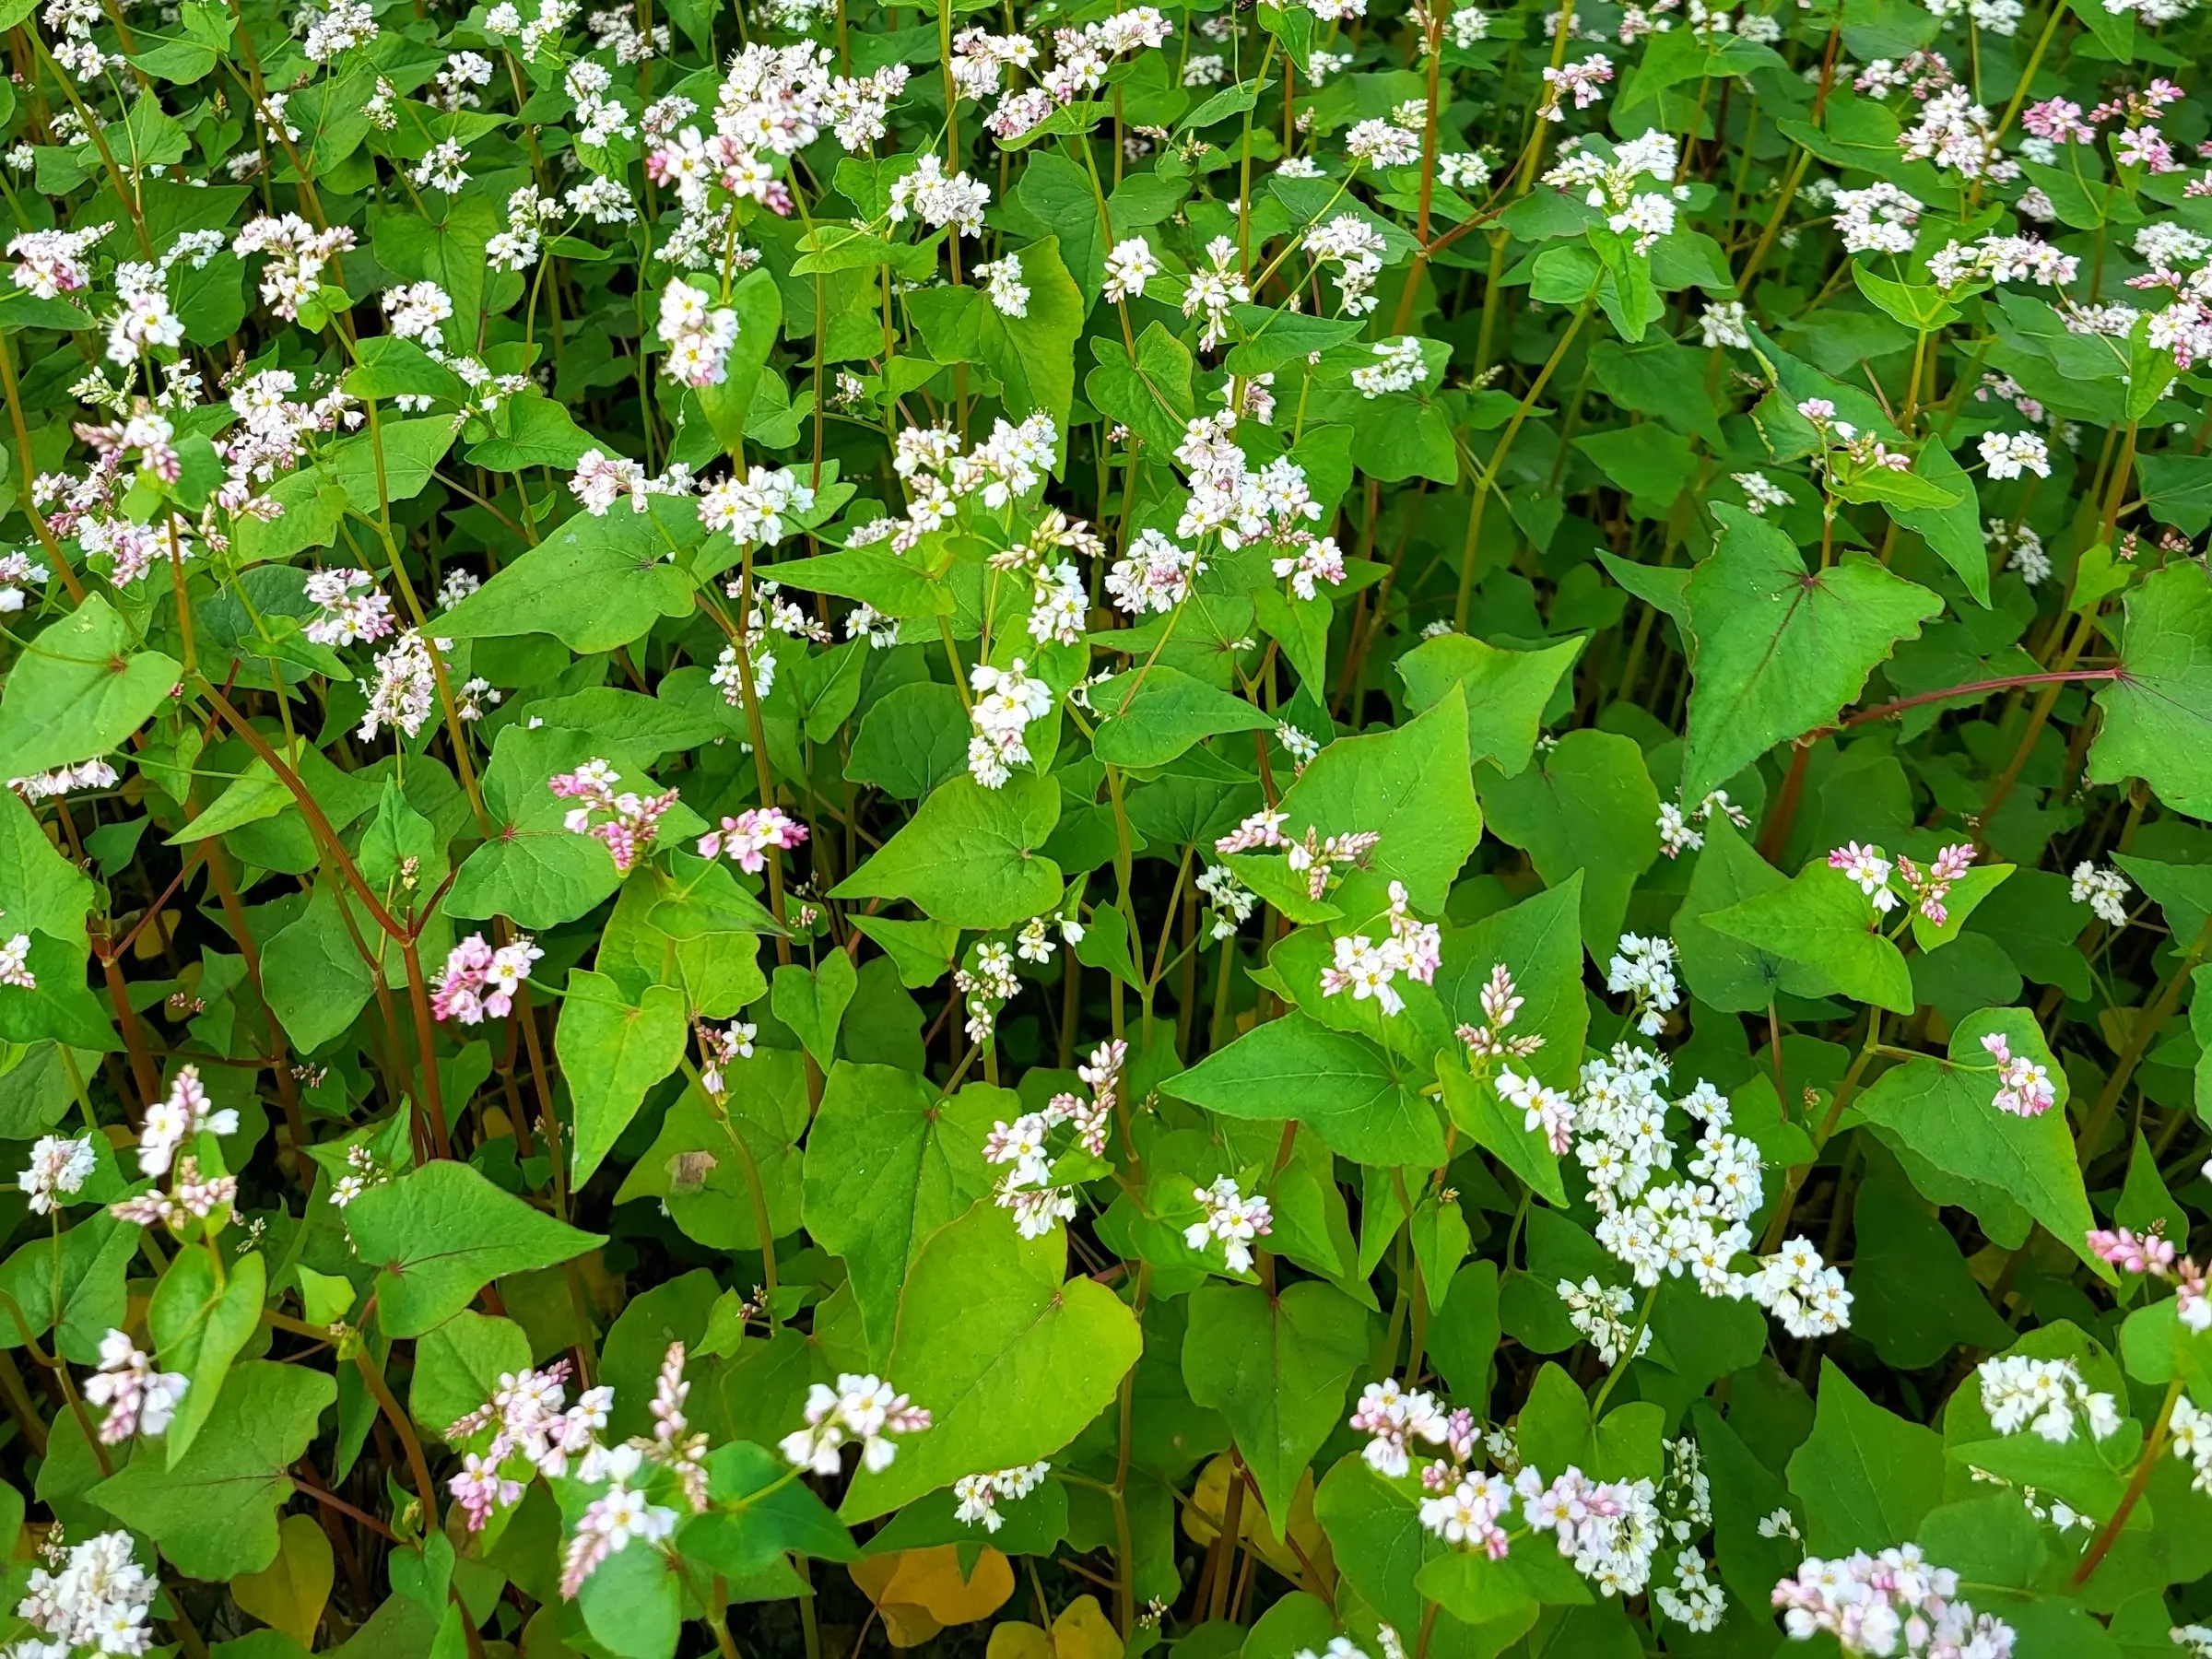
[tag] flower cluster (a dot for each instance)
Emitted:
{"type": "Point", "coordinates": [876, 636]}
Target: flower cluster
{"type": "Point", "coordinates": [1890, 1603]}
{"type": "Point", "coordinates": [139, 1399]}
{"type": "Point", "coordinates": [2043, 1396]}
{"type": "Point", "coordinates": [1501, 1001]}
{"type": "Point", "coordinates": [2155, 1256]}
{"type": "Point", "coordinates": [631, 820]}
{"type": "Point", "coordinates": [980, 1495]}
{"type": "Point", "coordinates": [751, 836]}
{"type": "Point", "coordinates": [1319, 860]}
{"type": "Point", "coordinates": [2103, 891]}
{"type": "Point", "coordinates": [183, 1114]}
{"type": "Point", "coordinates": [1231, 1218]}
{"type": "Point", "coordinates": [2024, 1087]}
{"type": "Point", "coordinates": [1643, 968]}
{"type": "Point", "coordinates": [90, 1597]}
{"type": "Point", "coordinates": [865, 1409]}
{"type": "Point", "coordinates": [1366, 969]}
{"type": "Point", "coordinates": [479, 982]}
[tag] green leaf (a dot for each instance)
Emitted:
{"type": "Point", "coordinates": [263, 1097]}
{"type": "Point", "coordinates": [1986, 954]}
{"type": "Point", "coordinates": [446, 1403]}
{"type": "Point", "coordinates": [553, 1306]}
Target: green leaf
{"type": "Point", "coordinates": [969, 855]}
{"type": "Point", "coordinates": [594, 584]}
{"type": "Point", "coordinates": [1413, 786]}
{"type": "Point", "coordinates": [1149, 717]}
{"type": "Point", "coordinates": [1034, 354]}
{"type": "Point", "coordinates": [706, 1157]}
{"type": "Point", "coordinates": [758, 1517]}
{"type": "Point", "coordinates": [612, 1052]}
{"type": "Point", "coordinates": [1341, 1087]}
{"type": "Point", "coordinates": [39, 889]}
{"type": "Point", "coordinates": [314, 978]}
{"type": "Point", "coordinates": [2158, 714]}
{"type": "Point", "coordinates": [1010, 1361]}
{"type": "Point", "coordinates": [888, 1161]}
{"type": "Point", "coordinates": [813, 1003]}
{"type": "Point", "coordinates": [1588, 804]}
{"type": "Point", "coordinates": [215, 1513]}
{"type": "Point", "coordinates": [1276, 1367]}
{"type": "Point", "coordinates": [1940, 1111]}
{"type": "Point", "coordinates": [198, 1326]}
{"type": "Point", "coordinates": [440, 1233]}
{"type": "Point", "coordinates": [1866, 1476]}
{"type": "Point", "coordinates": [1824, 926]}
{"type": "Point", "coordinates": [1507, 692]}
{"type": "Point", "coordinates": [1779, 650]}
{"type": "Point", "coordinates": [1724, 971]}
{"type": "Point", "coordinates": [77, 690]}
{"type": "Point", "coordinates": [73, 1281]}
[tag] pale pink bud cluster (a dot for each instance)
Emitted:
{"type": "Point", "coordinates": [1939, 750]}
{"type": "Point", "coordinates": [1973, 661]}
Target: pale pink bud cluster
{"type": "Point", "coordinates": [139, 1399]}
{"type": "Point", "coordinates": [1501, 1001]}
{"type": "Point", "coordinates": [2155, 1256]}
{"type": "Point", "coordinates": [631, 822]}
{"type": "Point", "coordinates": [750, 836]}
{"type": "Point", "coordinates": [2024, 1088]}
{"type": "Point", "coordinates": [1318, 860]}
{"type": "Point", "coordinates": [1932, 886]}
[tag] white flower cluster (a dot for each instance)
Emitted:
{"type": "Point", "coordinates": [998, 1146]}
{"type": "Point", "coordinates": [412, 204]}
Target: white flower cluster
{"type": "Point", "coordinates": [1401, 367]}
{"type": "Point", "coordinates": [1877, 220]}
{"type": "Point", "coordinates": [1026, 1189]}
{"type": "Point", "coordinates": [1676, 833]}
{"type": "Point", "coordinates": [58, 1169]}
{"type": "Point", "coordinates": [699, 335]}
{"type": "Point", "coordinates": [862, 1409]}
{"type": "Point", "coordinates": [980, 1495]}
{"type": "Point", "coordinates": [1356, 248]}
{"type": "Point", "coordinates": [1232, 1218]}
{"type": "Point", "coordinates": [1005, 466]}
{"type": "Point", "coordinates": [2043, 1396]}
{"type": "Point", "coordinates": [2103, 891]}
{"type": "Point", "coordinates": [1644, 969]}
{"type": "Point", "coordinates": [1605, 1316]}
{"type": "Point", "coordinates": [938, 200]}
{"type": "Point", "coordinates": [93, 1598]}
{"type": "Point", "coordinates": [1006, 701]}
{"type": "Point", "coordinates": [1893, 1603]}
{"type": "Point", "coordinates": [1366, 969]}
{"type": "Point", "coordinates": [349, 608]}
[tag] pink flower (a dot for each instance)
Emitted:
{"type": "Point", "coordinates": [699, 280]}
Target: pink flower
{"type": "Point", "coordinates": [749, 837]}
{"type": "Point", "coordinates": [2132, 1252]}
{"type": "Point", "coordinates": [2024, 1088]}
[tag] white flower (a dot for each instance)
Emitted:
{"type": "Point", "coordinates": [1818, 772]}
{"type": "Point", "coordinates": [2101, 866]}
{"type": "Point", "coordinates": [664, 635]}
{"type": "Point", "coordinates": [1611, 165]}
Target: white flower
{"type": "Point", "coordinates": [980, 1495]}
{"type": "Point", "coordinates": [862, 1409]}
{"type": "Point", "coordinates": [2104, 891]}
{"type": "Point", "coordinates": [2010, 453]}
{"type": "Point", "coordinates": [2043, 1396]}
{"type": "Point", "coordinates": [1003, 286]}
{"type": "Point", "coordinates": [1129, 266]}
{"type": "Point", "coordinates": [58, 1169]}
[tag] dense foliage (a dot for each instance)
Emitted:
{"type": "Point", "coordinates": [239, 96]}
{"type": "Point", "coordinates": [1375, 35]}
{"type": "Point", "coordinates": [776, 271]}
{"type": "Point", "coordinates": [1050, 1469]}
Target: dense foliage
{"type": "Point", "coordinates": [1310, 829]}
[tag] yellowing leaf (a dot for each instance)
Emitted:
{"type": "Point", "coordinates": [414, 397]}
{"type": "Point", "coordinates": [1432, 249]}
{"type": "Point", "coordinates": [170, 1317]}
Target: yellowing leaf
{"type": "Point", "coordinates": [919, 1592]}
{"type": "Point", "coordinates": [290, 1592]}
